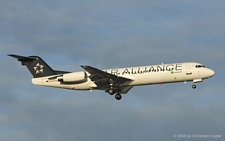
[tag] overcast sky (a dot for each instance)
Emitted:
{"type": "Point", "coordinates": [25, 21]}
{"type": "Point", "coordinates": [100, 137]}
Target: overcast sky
{"type": "Point", "coordinates": [107, 34]}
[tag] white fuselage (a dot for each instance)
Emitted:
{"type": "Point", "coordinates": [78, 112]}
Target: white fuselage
{"type": "Point", "coordinates": [143, 75]}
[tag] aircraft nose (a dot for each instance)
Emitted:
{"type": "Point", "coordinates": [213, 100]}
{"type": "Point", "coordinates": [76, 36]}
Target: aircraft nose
{"type": "Point", "coordinates": [211, 73]}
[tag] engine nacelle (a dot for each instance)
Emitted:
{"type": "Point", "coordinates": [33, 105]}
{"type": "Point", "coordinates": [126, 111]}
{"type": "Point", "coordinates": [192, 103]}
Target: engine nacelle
{"type": "Point", "coordinates": [73, 77]}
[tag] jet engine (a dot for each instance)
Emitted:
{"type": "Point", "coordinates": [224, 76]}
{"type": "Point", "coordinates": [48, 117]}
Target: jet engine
{"type": "Point", "coordinates": [73, 77]}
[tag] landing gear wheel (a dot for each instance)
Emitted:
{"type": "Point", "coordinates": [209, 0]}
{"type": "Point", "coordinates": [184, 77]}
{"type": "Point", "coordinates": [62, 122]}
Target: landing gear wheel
{"type": "Point", "coordinates": [118, 96]}
{"type": "Point", "coordinates": [194, 86]}
{"type": "Point", "coordinates": [111, 92]}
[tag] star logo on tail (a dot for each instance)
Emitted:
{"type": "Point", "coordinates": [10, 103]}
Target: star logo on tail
{"type": "Point", "coordinates": [39, 68]}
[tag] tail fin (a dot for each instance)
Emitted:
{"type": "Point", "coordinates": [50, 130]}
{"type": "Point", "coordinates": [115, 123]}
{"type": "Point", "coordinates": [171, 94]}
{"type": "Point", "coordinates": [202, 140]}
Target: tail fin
{"type": "Point", "coordinates": [36, 65]}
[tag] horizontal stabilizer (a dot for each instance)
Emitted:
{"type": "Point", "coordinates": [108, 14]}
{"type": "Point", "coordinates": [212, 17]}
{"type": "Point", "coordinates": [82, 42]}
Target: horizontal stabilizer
{"type": "Point", "coordinates": [22, 58]}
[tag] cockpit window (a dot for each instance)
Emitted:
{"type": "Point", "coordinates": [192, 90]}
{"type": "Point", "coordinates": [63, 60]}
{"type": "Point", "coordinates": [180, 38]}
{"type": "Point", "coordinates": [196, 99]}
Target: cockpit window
{"type": "Point", "coordinates": [199, 66]}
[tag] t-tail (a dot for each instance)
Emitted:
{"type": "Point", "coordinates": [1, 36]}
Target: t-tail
{"type": "Point", "coordinates": [36, 65]}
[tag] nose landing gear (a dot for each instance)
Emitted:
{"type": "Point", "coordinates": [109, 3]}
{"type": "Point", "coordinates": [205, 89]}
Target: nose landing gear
{"type": "Point", "coordinates": [194, 86]}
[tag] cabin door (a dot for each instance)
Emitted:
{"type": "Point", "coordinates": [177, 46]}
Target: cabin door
{"type": "Point", "coordinates": [188, 70]}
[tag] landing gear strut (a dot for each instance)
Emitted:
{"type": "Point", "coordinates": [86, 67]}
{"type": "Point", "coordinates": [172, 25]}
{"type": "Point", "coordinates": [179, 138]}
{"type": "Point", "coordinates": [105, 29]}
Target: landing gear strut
{"type": "Point", "coordinates": [194, 86]}
{"type": "Point", "coordinates": [118, 96]}
{"type": "Point", "coordinates": [111, 91]}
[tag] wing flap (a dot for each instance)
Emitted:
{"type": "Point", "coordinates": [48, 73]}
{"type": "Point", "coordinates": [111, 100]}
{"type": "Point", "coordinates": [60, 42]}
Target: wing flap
{"type": "Point", "coordinates": [124, 90]}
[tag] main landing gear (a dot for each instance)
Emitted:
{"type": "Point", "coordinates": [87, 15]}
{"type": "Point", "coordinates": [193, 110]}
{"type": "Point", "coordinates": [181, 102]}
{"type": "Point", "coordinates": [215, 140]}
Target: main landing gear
{"type": "Point", "coordinates": [111, 91]}
{"type": "Point", "coordinates": [118, 96]}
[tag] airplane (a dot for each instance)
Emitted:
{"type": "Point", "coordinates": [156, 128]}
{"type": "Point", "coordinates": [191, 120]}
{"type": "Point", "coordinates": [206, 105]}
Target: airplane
{"type": "Point", "coordinates": [113, 81]}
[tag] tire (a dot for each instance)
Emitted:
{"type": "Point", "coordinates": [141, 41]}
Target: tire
{"type": "Point", "coordinates": [118, 96]}
{"type": "Point", "coordinates": [194, 86]}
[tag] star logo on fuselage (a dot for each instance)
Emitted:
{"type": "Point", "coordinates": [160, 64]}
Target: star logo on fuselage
{"type": "Point", "coordinates": [39, 68]}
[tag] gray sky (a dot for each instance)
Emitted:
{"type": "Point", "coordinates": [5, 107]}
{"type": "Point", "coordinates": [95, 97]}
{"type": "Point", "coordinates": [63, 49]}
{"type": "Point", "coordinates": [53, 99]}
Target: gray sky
{"type": "Point", "coordinates": [107, 34]}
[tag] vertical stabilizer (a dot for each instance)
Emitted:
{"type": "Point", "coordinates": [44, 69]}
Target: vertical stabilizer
{"type": "Point", "coordinates": [36, 65]}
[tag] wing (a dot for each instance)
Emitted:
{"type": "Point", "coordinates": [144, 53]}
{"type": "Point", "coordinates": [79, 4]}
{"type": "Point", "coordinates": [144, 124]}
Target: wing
{"type": "Point", "coordinates": [107, 81]}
